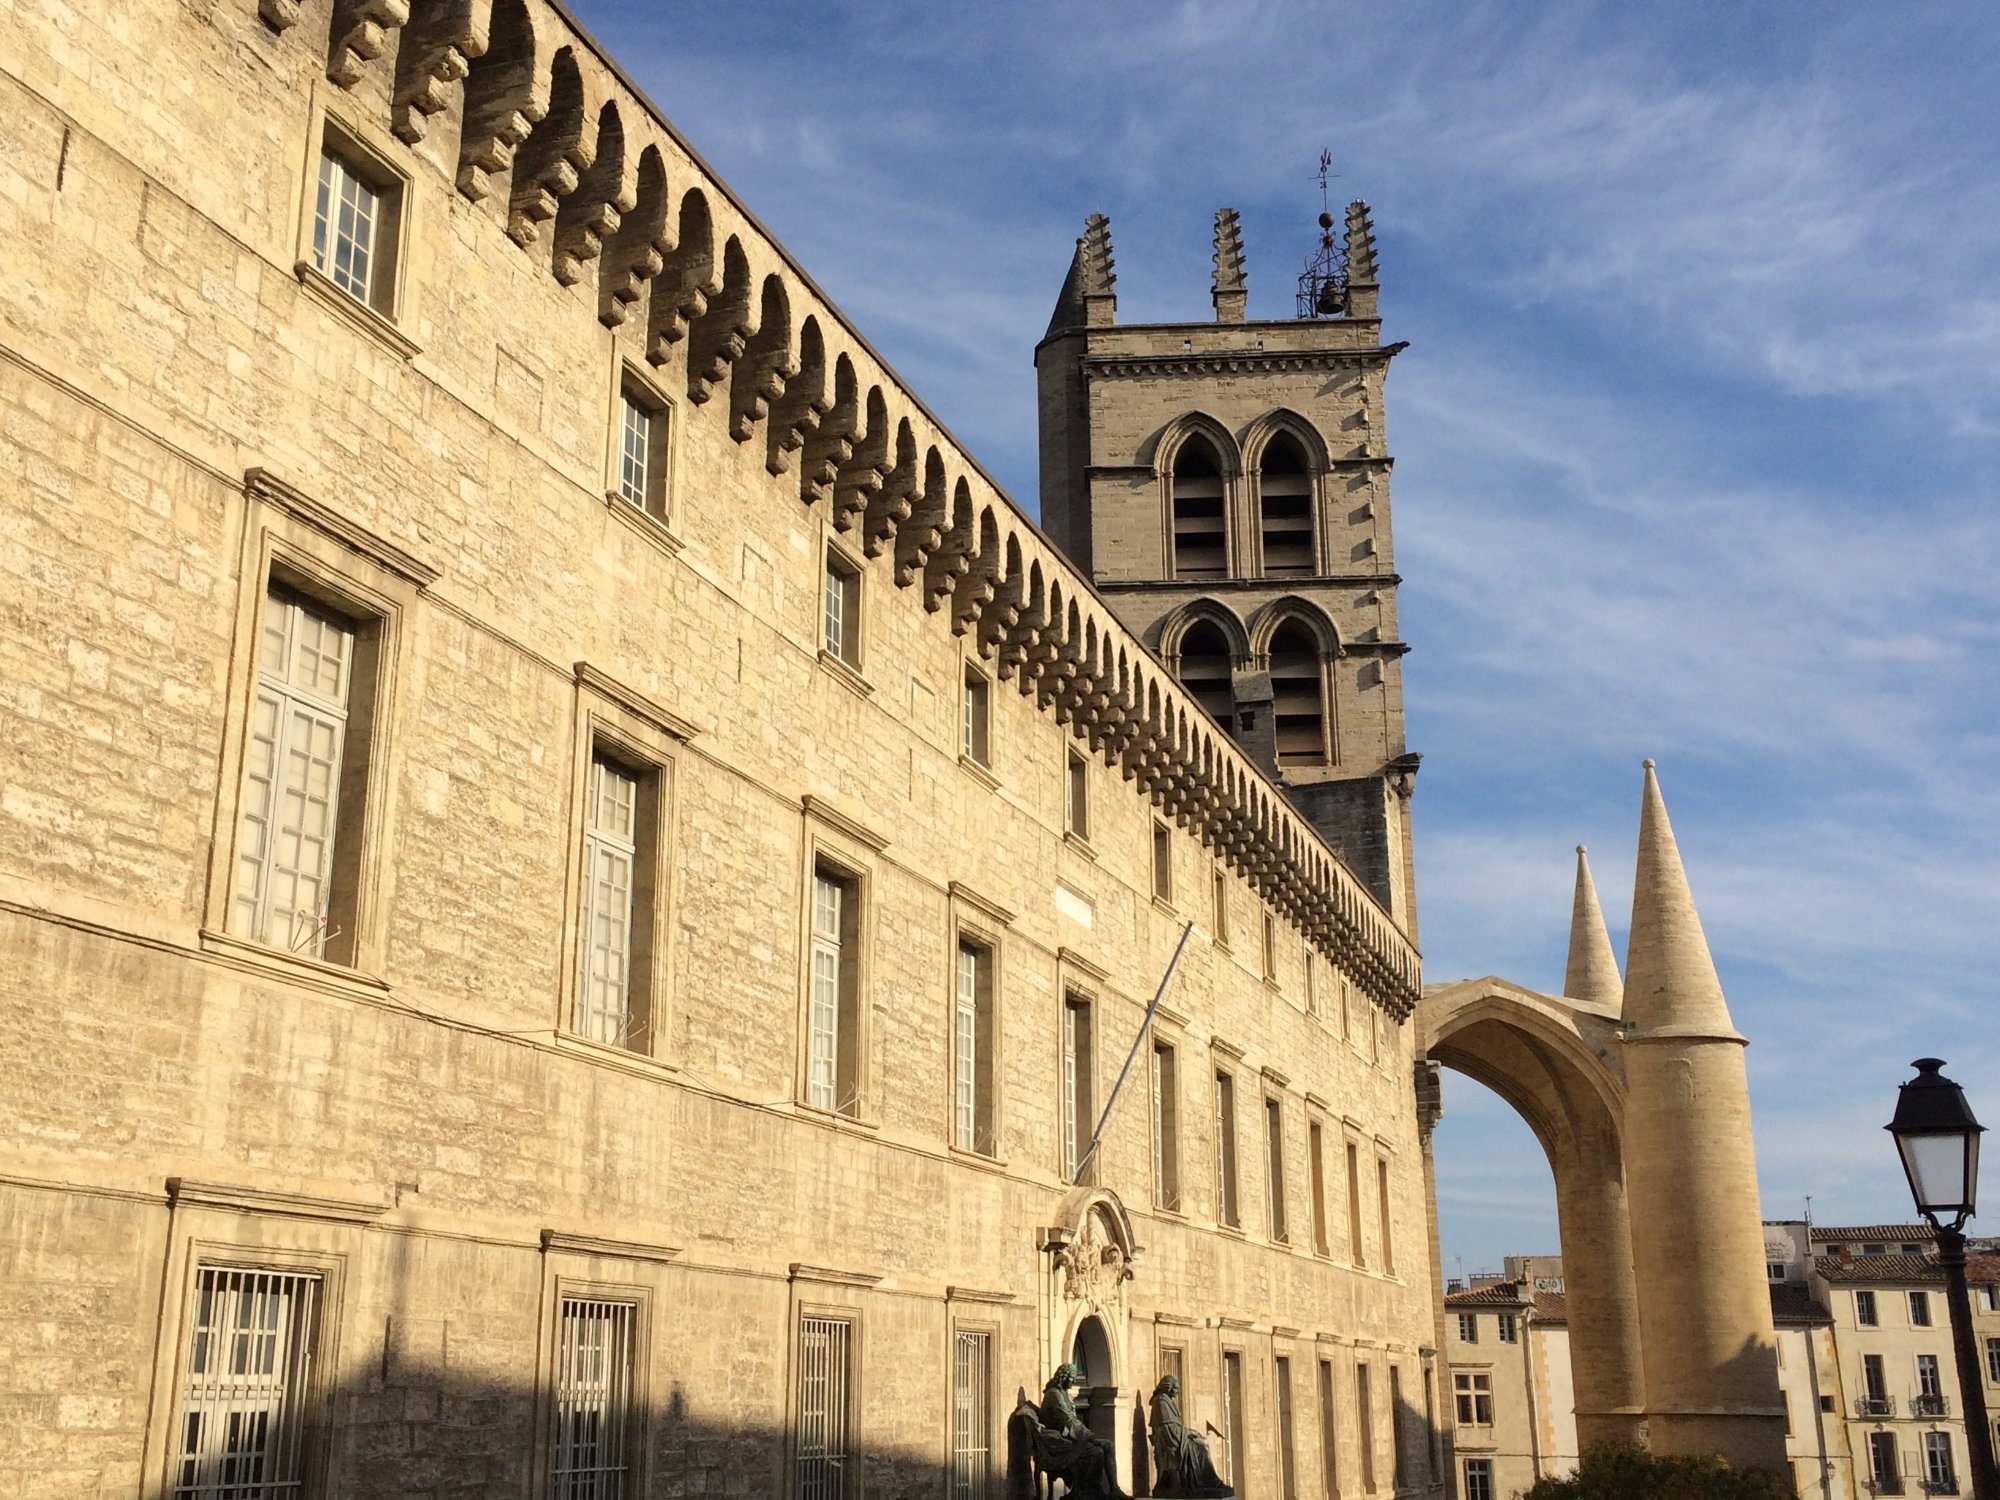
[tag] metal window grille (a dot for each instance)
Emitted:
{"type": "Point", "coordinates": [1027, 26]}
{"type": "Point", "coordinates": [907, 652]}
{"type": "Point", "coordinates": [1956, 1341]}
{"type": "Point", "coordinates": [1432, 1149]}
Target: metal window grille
{"type": "Point", "coordinates": [610, 854]}
{"type": "Point", "coordinates": [638, 444]}
{"type": "Point", "coordinates": [346, 216]}
{"type": "Point", "coordinates": [825, 1349]}
{"type": "Point", "coordinates": [242, 1428]}
{"type": "Point", "coordinates": [592, 1444]}
{"type": "Point", "coordinates": [971, 1427]}
{"type": "Point", "coordinates": [1479, 1479]}
{"type": "Point", "coordinates": [965, 1050]}
{"type": "Point", "coordinates": [1939, 1475]}
{"type": "Point", "coordinates": [291, 776]}
{"type": "Point", "coordinates": [823, 1047]}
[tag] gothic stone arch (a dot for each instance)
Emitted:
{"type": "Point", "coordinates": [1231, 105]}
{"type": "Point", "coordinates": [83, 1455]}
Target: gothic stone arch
{"type": "Point", "coordinates": [1091, 1253]}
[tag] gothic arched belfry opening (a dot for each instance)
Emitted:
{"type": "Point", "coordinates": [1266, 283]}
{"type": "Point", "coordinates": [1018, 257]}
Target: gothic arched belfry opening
{"type": "Point", "coordinates": [1226, 486]}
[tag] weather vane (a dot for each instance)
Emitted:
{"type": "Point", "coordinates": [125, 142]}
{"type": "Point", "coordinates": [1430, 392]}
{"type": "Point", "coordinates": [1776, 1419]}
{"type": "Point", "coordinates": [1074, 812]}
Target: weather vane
{"type": "Point", "coordinates": [1323, 283]}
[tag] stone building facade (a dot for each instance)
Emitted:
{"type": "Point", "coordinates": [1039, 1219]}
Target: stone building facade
{"type": "Point", "coordinates": [575, 880]}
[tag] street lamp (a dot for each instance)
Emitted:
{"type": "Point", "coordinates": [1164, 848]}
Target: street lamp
{"type": "Point", "coordinates": [1938, 1140]}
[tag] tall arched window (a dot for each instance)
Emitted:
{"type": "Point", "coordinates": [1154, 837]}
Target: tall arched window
{"type": "Point", "coordinates": [1298, 696]}
{"type": "Point", "coordinates": [1205, 660]}
{"type": "Point", "coordinates": [1199, 546]}
{"type": "Point", "coordinates": [1285, 490]}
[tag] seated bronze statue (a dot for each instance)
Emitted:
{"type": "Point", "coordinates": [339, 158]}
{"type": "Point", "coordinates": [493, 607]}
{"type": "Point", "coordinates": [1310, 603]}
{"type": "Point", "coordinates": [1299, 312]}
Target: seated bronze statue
{"type": "Point", "coordinates": [1066, 1449]}
{"type": "Point", "coordinates": [1181, 1465]}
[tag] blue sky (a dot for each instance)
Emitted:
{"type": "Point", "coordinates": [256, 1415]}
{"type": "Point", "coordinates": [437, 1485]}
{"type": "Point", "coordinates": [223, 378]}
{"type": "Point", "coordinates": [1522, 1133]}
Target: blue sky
{"type": "Point", "coordinates": [1696, 441]}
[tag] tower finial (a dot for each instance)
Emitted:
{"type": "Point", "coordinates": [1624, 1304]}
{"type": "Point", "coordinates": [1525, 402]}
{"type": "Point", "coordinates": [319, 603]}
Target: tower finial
{"type": "Point", "coordinates": [1670, 979]}
{"type": "Point", "coordinates": [1592, 971]}
{"type": "Point", "coordinates": [1097, 277]}
{"type": "Point", "coordinates": [1230, 294]}
{"type": "Point", "coordinates": [1362, 286]}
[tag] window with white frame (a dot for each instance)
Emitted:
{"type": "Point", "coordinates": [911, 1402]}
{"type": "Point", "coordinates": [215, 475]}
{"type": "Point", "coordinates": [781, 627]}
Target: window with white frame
{"type": "Point", "coordinates": [1225, 1149]}
{"type": "Point", "coordinates": [1479, 1479]}
{"type": "Point", "coordinates": [354, 226]}
{"type": "Point", "coordinates": [642, 448]}
{"type": "Point", "coordinates": [1509, 1328]}
{"type": "Point", "coordinates": [1993, 1360]}
{"type": "Point", "coordinates": [1929, 1398]}
{"type": "Point", "coordinates": [1989, 1298]}
{"type": "Point", "coordinates": [973, 1035]}
{"type": "Point", "coordinates": [611, 875]}
{"type": "Point", "coordinates": [971, 1414]}
{"type": "Point", "coordinates": [242, 1431]}
{"type": "Point", "coordinates": [826, 1352]}
{"type": "Point", "coordinates": [294, 772]}
{"type": "Point", "coordinates": [976, 720]}
{"type": "Point", "coordinates": [1920, 1309]}
{"type": "Point", "coordinates": [1468, 1328]}
{"type": "Point", "coordinates": [1473, 1394]}
{"type": "Point", "coordinates": [840, 620]}
{"type": "Point", "coordinates": [1940, 1475]}
{"type": "Point", "coordinates": [590, 1448]}
{"type": "Point", "coordinates": [832, 1075]}
{"type": "Point", "coordinates": [1166, 1127]}
{"type": "Point", "coordinates": [1078, 1097]}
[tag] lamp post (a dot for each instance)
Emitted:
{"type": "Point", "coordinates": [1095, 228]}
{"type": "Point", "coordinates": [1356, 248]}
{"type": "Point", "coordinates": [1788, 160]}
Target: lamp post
{"type": "Point", "coordinates": [1938, 1140]}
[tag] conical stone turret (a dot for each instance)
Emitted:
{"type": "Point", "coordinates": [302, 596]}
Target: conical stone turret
{"type": "Point", "coordinates": [1592, 971]}
{"type": "Point", "coordinates": [1709, 1348]}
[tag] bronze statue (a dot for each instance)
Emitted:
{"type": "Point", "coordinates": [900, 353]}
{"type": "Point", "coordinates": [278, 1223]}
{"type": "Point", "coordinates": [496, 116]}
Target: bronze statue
{"type": "Point", "coordinates": [1181, 1465]}
{"type": "Point", "coordinates": [1066, 1449]}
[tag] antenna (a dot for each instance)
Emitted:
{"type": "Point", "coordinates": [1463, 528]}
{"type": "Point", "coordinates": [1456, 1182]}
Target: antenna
{"type": "Point", "coordinates": [1323, 283]}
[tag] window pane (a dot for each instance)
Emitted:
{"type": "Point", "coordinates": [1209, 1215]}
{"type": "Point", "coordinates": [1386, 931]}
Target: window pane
{"type": "Point", "coordinates": [610, 856]}
{"type": "Point", "coordinates": [346, 214]}
{"type": "Point", "coordinates": [965, 1051]}
{"type": "Point", "coordinates": [639, 441]}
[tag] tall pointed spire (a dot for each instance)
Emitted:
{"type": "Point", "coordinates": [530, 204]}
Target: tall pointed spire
{"type": "Point", "coordinates": [1592, 971]}
{"type": "Point", "coordinates": [1670, 980]}
{"type": "Point", "coordinates": [1086, 299]}
{"type": "Point", "coordinates": [1362, 287]}
{"type": "Point", "coordinates": [1230, 294]}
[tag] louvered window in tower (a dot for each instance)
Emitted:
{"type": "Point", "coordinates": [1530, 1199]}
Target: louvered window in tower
{"type": "Point", "coordinates": [1205, 660]}
{"type": "Point", "coordinates": [1298, 696]}
{"type": "Point", "coordinates": [1285, 492]}
{"type": "Point", "coordinates": [1200, 548]}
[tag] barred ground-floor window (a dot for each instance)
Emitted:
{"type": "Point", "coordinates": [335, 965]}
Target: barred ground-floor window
{"type": "Point", "coordinates": [826, 1348]}
{"type": "Point", "coordinates": [243, 1431]}
{"type": "Point", "coordinates": [591, 1452]}
{"type": "Point", "coordinates": [971, 1421]}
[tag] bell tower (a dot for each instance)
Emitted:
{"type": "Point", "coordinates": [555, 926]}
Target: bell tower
{"type": "Point", "coordinates": [1225, 484]}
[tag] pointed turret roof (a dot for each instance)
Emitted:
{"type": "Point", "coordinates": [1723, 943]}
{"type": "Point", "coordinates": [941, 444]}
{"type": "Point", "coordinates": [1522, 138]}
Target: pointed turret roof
{"type": "Point", "coordinates": [1670, 984]}
{"type": "Point", "coordinates": [1592, 971]}
{"type": "Point", "coordinates": [1087, 299]}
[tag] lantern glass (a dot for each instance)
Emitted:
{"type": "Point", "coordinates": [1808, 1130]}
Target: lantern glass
{"type": "Point", "coordinates": [1943, 1170]}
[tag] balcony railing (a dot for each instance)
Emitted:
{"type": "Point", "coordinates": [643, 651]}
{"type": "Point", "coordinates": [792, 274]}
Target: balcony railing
{"type": "Point", "coordinates": [1930, 1406]}
{"type": "Point", "coordinates": [1876, 1406]}
{"type": "Point", "coordinates": [1946, 1486]}
{"type": "Point", "coordinates": [1881, 1486]}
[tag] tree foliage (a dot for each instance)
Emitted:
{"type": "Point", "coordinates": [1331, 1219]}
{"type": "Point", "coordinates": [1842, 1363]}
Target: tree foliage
{"type": "Point", "coordinates": [1618, 1473]}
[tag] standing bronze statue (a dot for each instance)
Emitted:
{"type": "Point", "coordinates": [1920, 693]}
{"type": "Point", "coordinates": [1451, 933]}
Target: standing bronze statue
{"type": "Point", "coordinates": [1181, 1465]}
{"type": "Point", "coordinates": [1066, 1449]}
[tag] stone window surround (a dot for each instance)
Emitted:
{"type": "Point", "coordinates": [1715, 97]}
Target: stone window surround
{"type": "Point", "coordinates": [386, 316]}
{"type": "Point", "coordinates": [293, 539]}
{"type": "Point", "coordinates": [851, 850]}
{"type": "Point", "coordinates": [601, 1271]}
{"type": "Point", "coordinates": [821, 1292]}
{"type": "Point", "coordinates": [655, 521]}
{"type": "Point", "coordinates": [981, 923]}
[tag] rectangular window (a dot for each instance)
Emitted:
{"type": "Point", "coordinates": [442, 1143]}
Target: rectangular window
{"type": "Point", "coordinates": [1166, 1127]}
{"type": "Point", "coordinates": [976, 722]}
{"type": "Point", "coordinates": [1225, 1149]}
{"type": "Point", "coordinates": [354, 226]}
{"type": "Point", "coordinates": [1785, 1399]}
{"type": "Point", "coordinates": [1329, 1431]}
{"type": "Point", "coordinates": [1274, 1168]}
{"type": "Point", "coordinates": [1076, 796]}
{"type": "Point", "coordinates": [1219, 904]}
{"type": "Point", "coordinates": [1288, 1483]}
{"type": "Point", "coordinates": [1173, 1361]}
{"type": "Point", "coordinates": [1940, 1477]}
{"type": "Point", "coordinates": [612, 917]}
{"type": "Point", "coordinates": [1398, 1429]}
{"type": "Point", "coordinates": [832, 1076]}
{"type": "Point", "coordinates": [840, 621]}
{"type": "Point", "coordinates": [1993, 1360]}
{"type": "Point", "coordinates": [1270, 947]}
{"type": "Point", "coordinates": [1927, 1375]}
{"type": "Point", "coordinates": [1510, 1327]}
{"type": "Point", "coordinates": [1774, 1270]}
{"type": "Point", "coordinates": [1864, 1309]}
{"type": "Point", "coordinates": [1078, 1119]}
{"type": "Point", "coordinates": [642, 449]}
{"type": "Point", "coordinates": [1316, 1163]}
{"type": "Point", "coordinates": [1355, 1253]}
{"type": "Point", "coordinates": [1235, 1430]}
{"type": "Point", "coordinates": [1882, 1466]}
{"type": "Point", "coordinates": [1920, 1309]}
{"type": "Point", "coordinates": [1468, 1328]}
{"type": "Point", "coordinates": [1479, 1479]}
{"type": "Point", "coordinates": [1163, 862]}
{"type": "Point", "coordinates": [591, 1448]}
{"type": "Point", "coordinates": [1346, 1010]}
{"type": "Point", "coordinates": [1364, 1416]}
{"type": "Point", "coordinates": [1473, 1394]}
{"type": "Point", "coordinates": [1874, 1385]}
{"type": "Point", "coordinates": [300, 767]}
{"type": "Point", "coordinates": [973, 1035]}
{"type": "Point", "coordinates": [971, 1416]}
{"type": "Point", "coordinates": [242, 1429]}
{"type": "Point", "coordinates": [1382, 1215]}
{"type": "Point", "coordinates": [826, 1351]}
{"type": "Point", "coordinates": [1989, 1298]}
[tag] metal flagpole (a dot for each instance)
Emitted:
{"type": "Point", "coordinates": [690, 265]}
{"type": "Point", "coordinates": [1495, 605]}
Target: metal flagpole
{"type": "Point", "coordinates": [1158, 995]}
